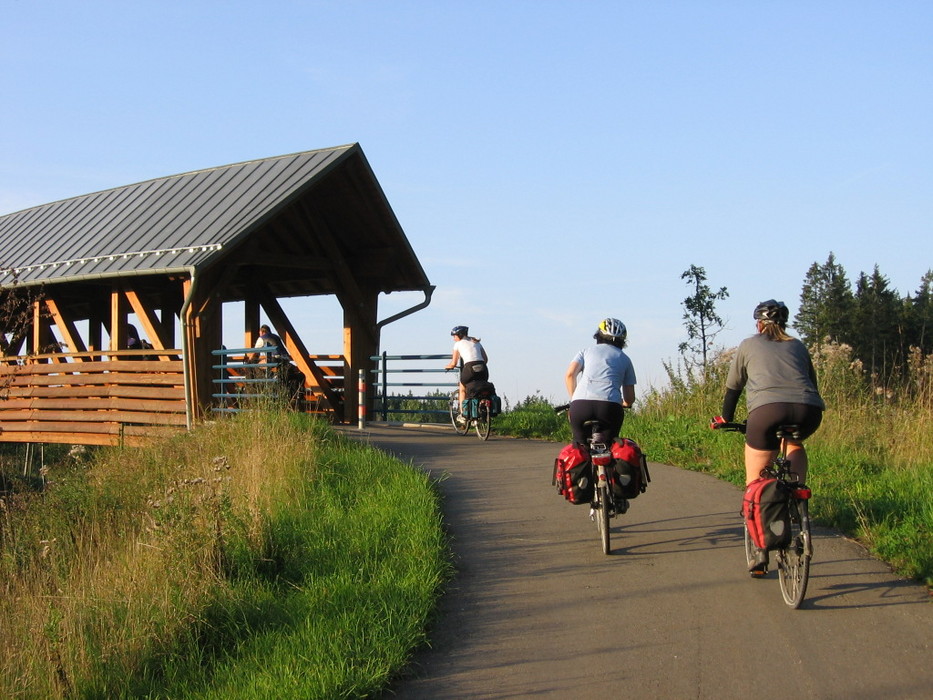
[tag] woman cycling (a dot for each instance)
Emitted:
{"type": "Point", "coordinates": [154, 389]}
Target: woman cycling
{"type": "Point", "coordinates": [601, 381]}
{"type": "Point", "coordinates": [778, 373]}
{"type": "Point", "coordinates": [470, 355]}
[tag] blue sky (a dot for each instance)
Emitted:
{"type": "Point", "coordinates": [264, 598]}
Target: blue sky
{"type": "Point", "coordinates": [551, 163]}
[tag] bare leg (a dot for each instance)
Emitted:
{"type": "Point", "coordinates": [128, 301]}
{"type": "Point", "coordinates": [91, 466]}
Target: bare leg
{"type": "Point", "coordinates": [797, 456]}
{"type": "Point", "coordinates": [462, 396]}
{"type": "Point", "coordinates": [755, 461]}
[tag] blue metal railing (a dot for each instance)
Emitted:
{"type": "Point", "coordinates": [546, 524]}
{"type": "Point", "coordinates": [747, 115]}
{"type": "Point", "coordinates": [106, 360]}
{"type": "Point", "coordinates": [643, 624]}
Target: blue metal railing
{"type": "Point", "coordinates": [258, 378]}
{"type": "Point", "coordinates": [386, 400]}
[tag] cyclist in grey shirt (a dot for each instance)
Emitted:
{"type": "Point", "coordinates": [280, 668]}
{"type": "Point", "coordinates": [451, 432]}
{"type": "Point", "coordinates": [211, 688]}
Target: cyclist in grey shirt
{"type": "Point", "coordinates": [777, 372]}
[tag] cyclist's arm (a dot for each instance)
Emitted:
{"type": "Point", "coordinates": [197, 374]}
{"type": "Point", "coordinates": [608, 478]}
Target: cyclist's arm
{"type": "Point", "coordinates": [570, 379]}
{"type": "Point", "coordinates": [453, 360]}
{"type": "Point", "coordinates": [628, 395]}
{"type": "Point", "coordinates": [729, 402]}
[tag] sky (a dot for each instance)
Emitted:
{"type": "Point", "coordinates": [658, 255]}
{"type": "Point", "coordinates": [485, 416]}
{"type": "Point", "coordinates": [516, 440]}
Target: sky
{"type": "Point", "coordinates": [551, 162]}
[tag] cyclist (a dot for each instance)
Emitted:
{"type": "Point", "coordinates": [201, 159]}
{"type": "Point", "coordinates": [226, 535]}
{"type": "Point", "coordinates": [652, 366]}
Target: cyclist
{"type": "Point", "coordinates": [601, 381]}
{"type": "Point", "coordinates": [782, 390]}
{"type": "Point", "coordinates": [470, 356]}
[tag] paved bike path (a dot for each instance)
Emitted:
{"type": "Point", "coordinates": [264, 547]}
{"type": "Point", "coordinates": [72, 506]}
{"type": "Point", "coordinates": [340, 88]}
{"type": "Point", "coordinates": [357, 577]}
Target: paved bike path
{"type": "Point", "coordinates": [536, 609]}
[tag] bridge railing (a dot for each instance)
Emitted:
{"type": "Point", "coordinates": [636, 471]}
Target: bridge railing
{"type": "Point", "coordinates": [398, 372]}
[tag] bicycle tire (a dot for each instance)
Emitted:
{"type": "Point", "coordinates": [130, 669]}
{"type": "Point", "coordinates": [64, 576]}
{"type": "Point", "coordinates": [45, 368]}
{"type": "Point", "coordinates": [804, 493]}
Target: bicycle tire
{"type": "Point", "coordinates": [793, 561]}
{"type": "Point", "coordinates": [602, 516]}
{"type": "Point", "coordinates": [463, 427]}
{"type": "Point", "coordinates": [483, 421]}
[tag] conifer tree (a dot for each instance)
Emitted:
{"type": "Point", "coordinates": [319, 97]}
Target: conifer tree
{"type": "Point", "coordinates": [879, 318]}
{"type": "Point", "coordinates": [826, 305]}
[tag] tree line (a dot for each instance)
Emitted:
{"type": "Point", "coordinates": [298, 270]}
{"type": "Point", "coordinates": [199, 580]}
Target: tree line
{"type": "Point", "coordinates": [878, 323]}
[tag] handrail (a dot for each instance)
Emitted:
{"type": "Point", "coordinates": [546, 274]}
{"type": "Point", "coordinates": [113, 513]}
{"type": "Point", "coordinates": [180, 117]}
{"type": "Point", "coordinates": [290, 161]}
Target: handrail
{"type": "Point", "coordinates": [382, 400]}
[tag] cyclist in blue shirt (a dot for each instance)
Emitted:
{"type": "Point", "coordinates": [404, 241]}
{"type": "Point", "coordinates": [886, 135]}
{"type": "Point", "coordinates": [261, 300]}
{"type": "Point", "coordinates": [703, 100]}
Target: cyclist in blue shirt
{"type": "Point", "coordinates": [601, 381]}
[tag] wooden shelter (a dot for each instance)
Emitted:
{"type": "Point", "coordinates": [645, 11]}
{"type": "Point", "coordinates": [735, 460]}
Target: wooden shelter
{"type": "Point", "coordinates": [167, 254]}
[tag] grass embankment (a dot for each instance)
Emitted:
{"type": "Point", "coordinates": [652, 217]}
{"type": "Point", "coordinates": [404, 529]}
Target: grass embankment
{"type": "Point", "coordinates": [263, 556]}
{"type": "Point", "coordinates": [871, 462]}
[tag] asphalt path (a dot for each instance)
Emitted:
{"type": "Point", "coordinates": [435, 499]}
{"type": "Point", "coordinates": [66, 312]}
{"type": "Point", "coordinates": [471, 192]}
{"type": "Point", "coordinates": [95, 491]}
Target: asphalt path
{"type": "Point", "coordinates": [537, 610]}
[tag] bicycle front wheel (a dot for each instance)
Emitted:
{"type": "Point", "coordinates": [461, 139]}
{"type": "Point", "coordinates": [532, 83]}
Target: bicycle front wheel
{"type": "Point", "coordinates": [602, 516]}
{"type": "Point", "coordinates": [461, 425]}
{"type": "Point", "coordinates": [794, 561]}
{"type": "Point", "coordinates": [483, 420]}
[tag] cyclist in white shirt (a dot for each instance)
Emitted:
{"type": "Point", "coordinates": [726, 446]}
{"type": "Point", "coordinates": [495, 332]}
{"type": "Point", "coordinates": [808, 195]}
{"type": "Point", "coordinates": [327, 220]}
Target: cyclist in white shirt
{"type": "Point", "coordinates": [470, 356]}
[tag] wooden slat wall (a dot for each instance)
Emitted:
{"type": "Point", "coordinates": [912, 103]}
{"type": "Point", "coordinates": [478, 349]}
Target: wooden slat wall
{"type": "Point", "coordinates": [102, 398]}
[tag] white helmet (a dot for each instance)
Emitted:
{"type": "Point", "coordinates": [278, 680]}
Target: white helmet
{"type": "Point", "coordinates": [612, 329]}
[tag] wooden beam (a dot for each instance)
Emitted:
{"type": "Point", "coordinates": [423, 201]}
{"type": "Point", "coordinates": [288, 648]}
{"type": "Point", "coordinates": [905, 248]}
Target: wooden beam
{"type": "Point", "coordinates": [66, 327]}
{"type": "Point", "coordinates": [117, 319]}
{"type": "Point", "coordinates": [152, 326]}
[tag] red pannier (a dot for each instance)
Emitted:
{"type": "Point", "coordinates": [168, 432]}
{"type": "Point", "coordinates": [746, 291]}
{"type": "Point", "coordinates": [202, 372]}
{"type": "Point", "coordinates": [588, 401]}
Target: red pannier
{"type": "Point", "coordinates": [767, 514]}
{"type": "Point", "coordinates": [573, 475]}
{"type": "Point", "coordinates": [630, 467]}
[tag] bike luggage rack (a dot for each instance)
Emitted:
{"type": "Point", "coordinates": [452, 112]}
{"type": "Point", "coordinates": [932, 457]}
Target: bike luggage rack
{"type": "Point", "coordinates": [384, 404]}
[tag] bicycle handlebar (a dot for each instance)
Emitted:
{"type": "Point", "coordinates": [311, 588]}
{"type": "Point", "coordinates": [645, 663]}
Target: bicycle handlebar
{"type": "Point", "coordinates": [563, 407]}
{"type": "Point", "coordinates": [729, 427]}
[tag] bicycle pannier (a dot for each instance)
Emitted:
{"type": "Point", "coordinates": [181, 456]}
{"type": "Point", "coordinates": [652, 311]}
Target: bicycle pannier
{"type": "Point", "coordinates": [767, 514]}
{"type": "Point", "coordinates": [480, 389]}
{"type": "Point", "coordinates": [629, 469]}
{"type": "Point", "coordinates": [573, 474]}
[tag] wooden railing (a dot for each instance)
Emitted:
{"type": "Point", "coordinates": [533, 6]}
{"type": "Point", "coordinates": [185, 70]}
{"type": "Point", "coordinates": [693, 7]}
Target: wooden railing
{"type": "Point", "coordinates": [95, 398]}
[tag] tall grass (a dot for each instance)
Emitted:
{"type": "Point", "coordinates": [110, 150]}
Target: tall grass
{"type": "Point", "coordinates": [256, 555]}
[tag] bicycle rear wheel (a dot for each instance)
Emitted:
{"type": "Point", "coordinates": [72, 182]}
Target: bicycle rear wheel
{"type": "Point", "coordinates": [483, 420]}
{"type": "Point", "coordinates": [793, 563]}
{"type": "Point", "coordinates": [461, 425]}
{"type": "Point", "coordinates": [602, 516]}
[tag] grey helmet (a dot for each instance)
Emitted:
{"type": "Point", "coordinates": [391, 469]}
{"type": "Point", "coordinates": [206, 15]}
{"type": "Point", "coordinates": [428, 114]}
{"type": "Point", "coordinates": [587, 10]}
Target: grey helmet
{"type": "Point", "coordinates": [461, 331]}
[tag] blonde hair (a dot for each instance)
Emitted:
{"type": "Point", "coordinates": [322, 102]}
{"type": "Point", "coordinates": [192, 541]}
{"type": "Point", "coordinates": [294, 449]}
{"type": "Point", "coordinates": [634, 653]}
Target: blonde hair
{"type": "Point", "coordinates": [774, 331]}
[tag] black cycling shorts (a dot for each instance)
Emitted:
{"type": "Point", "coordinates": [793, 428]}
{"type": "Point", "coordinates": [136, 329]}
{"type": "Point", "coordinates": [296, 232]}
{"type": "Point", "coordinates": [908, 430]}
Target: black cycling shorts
{"type": "Point", "coordinates": [471, 371]}
{"type": "Point", "coordinates": [609, 413]}
{"type": "Point", "coordinates": [764, 421]}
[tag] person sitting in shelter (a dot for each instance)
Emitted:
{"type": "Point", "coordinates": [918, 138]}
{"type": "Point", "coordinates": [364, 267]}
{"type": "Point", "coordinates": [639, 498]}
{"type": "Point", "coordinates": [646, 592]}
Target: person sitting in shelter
{"type": "Point", "coordinates": [134, 342]}
{"type": "Point", "coordinates": [280, 362]}
{"type": "Point", "coordinates": [268, 339]}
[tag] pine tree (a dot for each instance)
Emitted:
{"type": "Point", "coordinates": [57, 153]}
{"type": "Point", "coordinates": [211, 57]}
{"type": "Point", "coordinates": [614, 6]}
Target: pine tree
{"type": "Point", "coordinates": [879, 318]}
{"type": "Point", "coordinates": [826, 305]}
{"type": "Point", "coordinates": [920, 315]}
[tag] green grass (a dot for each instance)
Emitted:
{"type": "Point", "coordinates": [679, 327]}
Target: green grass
{"type": "Point", "coordinates": [258, 557]}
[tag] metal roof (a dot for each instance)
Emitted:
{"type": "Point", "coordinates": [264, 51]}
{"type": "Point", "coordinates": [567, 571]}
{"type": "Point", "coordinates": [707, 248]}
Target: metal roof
{"type": "Point", "coordinates": [194, 220]}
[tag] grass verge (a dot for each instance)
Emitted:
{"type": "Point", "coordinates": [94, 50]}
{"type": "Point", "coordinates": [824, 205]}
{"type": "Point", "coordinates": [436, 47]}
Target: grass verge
{"type": "Point", "coordinates": [256, 557]}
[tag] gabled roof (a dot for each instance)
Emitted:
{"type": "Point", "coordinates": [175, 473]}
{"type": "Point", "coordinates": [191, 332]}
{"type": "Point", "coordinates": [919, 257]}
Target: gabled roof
{"type": "Point", "coordinates": [305, 213]}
